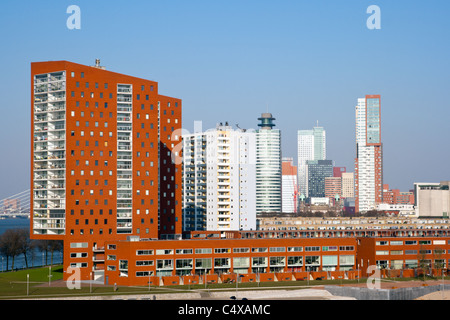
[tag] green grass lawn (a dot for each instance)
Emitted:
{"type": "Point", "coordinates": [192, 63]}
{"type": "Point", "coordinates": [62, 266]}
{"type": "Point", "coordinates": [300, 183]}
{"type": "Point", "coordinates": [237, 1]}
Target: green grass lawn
{"type": "Point", "coordinates": [14, 283]}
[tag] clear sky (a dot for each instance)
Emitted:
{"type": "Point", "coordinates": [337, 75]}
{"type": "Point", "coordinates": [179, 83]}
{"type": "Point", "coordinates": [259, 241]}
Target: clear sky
{"type": "Point", "coordinates": [303, 60]}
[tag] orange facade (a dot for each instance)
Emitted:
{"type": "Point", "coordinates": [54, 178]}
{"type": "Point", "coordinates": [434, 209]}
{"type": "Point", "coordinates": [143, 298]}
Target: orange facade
{"type": "Point", "coordinates": [403, 253]}
{"type": "Point", "coordinates": [172, 261]}
{"type": "Point", "coordinates": [117, 177]}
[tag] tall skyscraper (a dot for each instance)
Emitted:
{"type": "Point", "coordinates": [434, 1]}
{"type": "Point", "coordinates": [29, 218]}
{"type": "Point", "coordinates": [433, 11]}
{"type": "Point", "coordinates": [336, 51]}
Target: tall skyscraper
{"type": "Point", "coordinates": [369, 154]}
{"type": "Point", "coordinates": [219, 180]}
{"type": "Point", "coordinates": [289, 186]}
{"type": "Point", "coordinates": [318, 170]}
{"type": "Point", "coordinates": [268, 166]}
{"type": "Point", "coordinates": [311, 146]}
{"type": "Point", "coordinates": [101, 160]}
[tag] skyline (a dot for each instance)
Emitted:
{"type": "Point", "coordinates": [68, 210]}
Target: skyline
{"type": "Point", "coordinates": [304, 62]}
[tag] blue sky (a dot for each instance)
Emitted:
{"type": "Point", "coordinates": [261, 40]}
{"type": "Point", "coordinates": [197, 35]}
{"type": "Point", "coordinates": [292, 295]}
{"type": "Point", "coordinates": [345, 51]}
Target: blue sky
{"type": "Point", "coordinates": [305, 61]}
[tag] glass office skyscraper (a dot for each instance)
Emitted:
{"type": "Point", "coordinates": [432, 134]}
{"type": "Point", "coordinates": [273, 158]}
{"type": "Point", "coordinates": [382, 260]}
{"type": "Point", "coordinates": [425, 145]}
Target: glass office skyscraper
{"type": "Point", "coordinates": [268, 166]}
{"type": "Point", "coordinates": [311, 146]}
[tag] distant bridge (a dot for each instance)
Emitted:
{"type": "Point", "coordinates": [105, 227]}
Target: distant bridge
{"type": "Point", "coordinates": [16, 205]}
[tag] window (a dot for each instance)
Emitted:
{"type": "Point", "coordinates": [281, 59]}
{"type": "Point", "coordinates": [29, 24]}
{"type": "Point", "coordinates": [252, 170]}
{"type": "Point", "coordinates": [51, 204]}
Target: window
{"type": "Point", "coordinates": [222, 250]}
{"type": "Point", "coordinates": [203, 251]}
{"type": "Point", "coordinates": [79, 245]}
{"type": "Point", "coordinates": [144, 252]}
{"type": "Point", "coordinates": [221, 262]}
{"type": "Point", "coordinates": [241, 262]}
{"type": "Point", "coordinates": [259, 261]}
{"type": "Point", "coordinates": [164, 264]}
{"type": "Point", "coordinates": [329, 260]}
{"type": "Point", "coordinates": [183, 264]}
{"type": "Point", "coordinates": [164, 251]}
{"type": "Point", "coordinates": [78, 254]}
{"type": "Point", "coordinates": [241, 250]}
{"type": "Point", "coordinates": [183, 251]}
{"type": "Point", "coordinates": [277, 249]}
{"type": "Point", "coordinates": [312, 260]}
{"type": "Point", "coordinates": [277, 261]}
{"type": "Point", "coordinates": [259, 249]}
{"type": "Point", "coordinates": [295, 261]}
{"type": "Point", "coordinates": [346, 260]}
{"type": "Point", "coordinates": [203, 263]}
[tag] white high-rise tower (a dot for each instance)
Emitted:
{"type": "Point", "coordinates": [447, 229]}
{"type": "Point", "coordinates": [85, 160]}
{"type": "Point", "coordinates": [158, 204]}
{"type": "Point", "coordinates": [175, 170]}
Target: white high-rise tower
{"type": "Point", "coordinates": [219, 183]}
{"type": "Point", "coordinates": [369, 155]}
{"type": "Point", "coordinates": [268, 166]}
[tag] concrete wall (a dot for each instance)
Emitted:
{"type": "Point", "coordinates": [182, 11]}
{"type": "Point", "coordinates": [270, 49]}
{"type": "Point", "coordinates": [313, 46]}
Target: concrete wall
{"type": "Point", "coordinates": [384, 294]}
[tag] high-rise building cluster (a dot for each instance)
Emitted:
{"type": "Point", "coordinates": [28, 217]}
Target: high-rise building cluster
{"type": "Point", "coordinates": [110, 167]}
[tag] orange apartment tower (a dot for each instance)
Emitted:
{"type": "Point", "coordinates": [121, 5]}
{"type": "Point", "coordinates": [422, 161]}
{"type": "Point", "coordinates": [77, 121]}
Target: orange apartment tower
{"type": "Point", "coordinates": [102, 167]}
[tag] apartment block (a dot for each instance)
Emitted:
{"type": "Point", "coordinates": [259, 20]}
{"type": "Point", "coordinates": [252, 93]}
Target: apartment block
{"type": "Point", "coordinates": [348, 185]}
{"type": "Point", "coordinates": [406, 254]}
{"type": "Point", "coordinates": [166, 262]}
{"type": "Point", "coordinates": [219, 180]}
{"type": "Point", "coordinates": [102, 166]}
{"type": "Point", "coordinates": [333, 188]}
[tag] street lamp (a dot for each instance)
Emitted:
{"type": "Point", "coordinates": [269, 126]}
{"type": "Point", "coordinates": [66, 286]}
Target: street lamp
{"type": "Point", "coordinates": [49, 275]}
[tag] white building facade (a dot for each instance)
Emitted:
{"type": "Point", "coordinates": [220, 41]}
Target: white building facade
{"type": "Point", "coordinates": [219, 180]}
{"type": "Point", "coordinates": [369, 157]}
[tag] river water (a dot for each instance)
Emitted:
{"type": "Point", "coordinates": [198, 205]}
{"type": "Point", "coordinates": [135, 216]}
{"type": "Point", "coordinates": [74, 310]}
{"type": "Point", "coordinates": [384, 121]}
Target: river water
{"type": "Point", "coordinates": [19, 261]}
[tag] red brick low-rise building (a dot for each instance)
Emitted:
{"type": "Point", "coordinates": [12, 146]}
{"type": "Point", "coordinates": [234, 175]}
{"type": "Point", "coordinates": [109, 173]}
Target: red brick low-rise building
{"type": "Point", "coordinates": [167, 262]}
{"type": "Point", "coordinates": [403, 256]}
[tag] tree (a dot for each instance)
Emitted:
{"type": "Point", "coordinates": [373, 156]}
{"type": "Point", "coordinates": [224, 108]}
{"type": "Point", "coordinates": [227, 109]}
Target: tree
{"type": "Point", "coordinates": [54, 245]}
{"type": "Point", "coordinates": [42, 245]}
{"type": "Point", "coordinates": [423, 262]}
{"type": "Point", "coordinates": [4, 249]}
{"type": "Point", "coordinates": [25, 243]}
{"type": "Point", "coordinates": [10, 245]}
{"type": "Point", "coordinates": [439, 263]}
